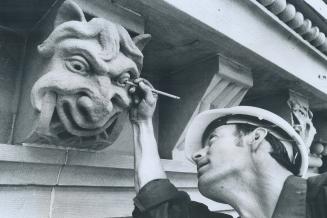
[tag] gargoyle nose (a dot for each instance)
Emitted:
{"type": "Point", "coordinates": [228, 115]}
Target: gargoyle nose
{"type": "Point", "coordinates": [90, 109]}
{"type": "Point", "coordinates": [85, 102]}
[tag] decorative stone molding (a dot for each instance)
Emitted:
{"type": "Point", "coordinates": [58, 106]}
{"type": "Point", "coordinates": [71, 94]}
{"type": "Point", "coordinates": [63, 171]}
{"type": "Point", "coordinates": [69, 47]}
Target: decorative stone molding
{"type": "Point", "coordinates": [295, 20]}
{"type": "Point", "coordinates": [80, 100]}
{"type": "Point", "coordinates": [301, 120]}
{"type": "Point", "coordinates": [318, 150]}
{"type": "Point", "coordinates": [227, 88]}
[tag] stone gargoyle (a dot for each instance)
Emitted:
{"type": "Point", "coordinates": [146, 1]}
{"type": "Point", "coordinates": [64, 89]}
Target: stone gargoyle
{"type": "Point", "coordinates": [81, 99]}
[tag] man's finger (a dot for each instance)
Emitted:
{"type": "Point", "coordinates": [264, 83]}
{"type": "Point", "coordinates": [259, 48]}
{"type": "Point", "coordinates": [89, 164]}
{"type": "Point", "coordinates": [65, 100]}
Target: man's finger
{"type": "Point", "coordinates": [136, 100]}
{"type": "Point", "coordinates": [132, 90]}
{"type": "Point", "coordinates": [148, 93]}
{"type": "Point", "coordinates": [138, 80]}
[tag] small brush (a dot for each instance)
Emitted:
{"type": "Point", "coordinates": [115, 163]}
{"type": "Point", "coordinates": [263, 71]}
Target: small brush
{"type": "Point", "coordinates": [155, 91]}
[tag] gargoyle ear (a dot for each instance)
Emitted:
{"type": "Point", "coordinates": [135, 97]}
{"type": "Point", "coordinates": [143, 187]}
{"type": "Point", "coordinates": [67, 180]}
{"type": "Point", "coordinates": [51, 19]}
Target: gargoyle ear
{"type": "Point", "coordinates": [69, 11]}
{"type": "Point", "coordinates": [141, 40]}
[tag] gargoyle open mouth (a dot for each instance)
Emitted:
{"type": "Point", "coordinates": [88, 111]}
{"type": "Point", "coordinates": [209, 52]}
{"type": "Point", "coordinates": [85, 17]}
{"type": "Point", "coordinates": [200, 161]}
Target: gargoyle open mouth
{"type": "Point", "coordinates": [83, 116]}
{"type": "Point", "coordinates": [78, 120]}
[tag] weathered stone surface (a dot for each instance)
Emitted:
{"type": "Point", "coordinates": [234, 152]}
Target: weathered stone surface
{"type": "Point", "coordinates": [11, 47]}
{"type": "Point", "coordinates": [25, 201]}
{"type": "Point", "coordinates": [80, 99]}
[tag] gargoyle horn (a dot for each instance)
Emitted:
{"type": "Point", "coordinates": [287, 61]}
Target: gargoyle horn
{"type": "Point", "coordinates": [69, 11]}
{"type": "Point", "coordinates": [141, 40]}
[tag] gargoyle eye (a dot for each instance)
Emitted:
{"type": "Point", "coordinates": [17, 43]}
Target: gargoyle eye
{"type": "Point", "coordinates": [78, 64]}
{"type": "Point", "coordinates": [122, 78]}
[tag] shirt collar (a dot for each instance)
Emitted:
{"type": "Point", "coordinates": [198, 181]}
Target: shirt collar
{"type": "Point", "coordinates": [292, 200]}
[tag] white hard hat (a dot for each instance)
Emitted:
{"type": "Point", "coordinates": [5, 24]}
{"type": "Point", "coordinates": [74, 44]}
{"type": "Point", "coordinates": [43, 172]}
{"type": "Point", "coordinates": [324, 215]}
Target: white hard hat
{"type": "Point", "coordinates": [194, 134]}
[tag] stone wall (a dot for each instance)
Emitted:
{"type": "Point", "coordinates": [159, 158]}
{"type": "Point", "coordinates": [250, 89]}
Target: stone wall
{"type": "Point", "coordinates": [11, 55]}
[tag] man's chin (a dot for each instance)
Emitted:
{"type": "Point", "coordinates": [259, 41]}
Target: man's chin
{"type": "Point", "coordinates": [209, 187]}
{"type": "Point", "coordinates": [210, 193]}
{"type": "Point", "coordinates": [205, 191]}
{"type": "Point", "coordinates": [204, 185]}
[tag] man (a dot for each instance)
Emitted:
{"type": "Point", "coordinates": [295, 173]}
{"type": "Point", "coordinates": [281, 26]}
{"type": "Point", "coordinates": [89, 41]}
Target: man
{"type": "Point", "coordinates": [246, 157]}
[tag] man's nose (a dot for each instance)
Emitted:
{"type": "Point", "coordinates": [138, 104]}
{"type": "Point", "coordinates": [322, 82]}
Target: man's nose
{"type": "Point", "coordinates": [198, 155]}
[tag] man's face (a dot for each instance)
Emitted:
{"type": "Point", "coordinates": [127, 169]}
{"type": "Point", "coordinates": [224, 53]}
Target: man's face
{"type": "Point", "coordinates": [222, 156]}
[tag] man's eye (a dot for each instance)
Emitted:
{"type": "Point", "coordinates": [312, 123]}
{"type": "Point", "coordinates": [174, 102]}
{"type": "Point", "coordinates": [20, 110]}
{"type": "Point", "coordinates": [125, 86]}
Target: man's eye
{"type": "Point", "coordinates": [123, 78]}
{"type": "Point", "coordinates": [211, 139]}
{"type": "Point", "coordinates": [77, 65]}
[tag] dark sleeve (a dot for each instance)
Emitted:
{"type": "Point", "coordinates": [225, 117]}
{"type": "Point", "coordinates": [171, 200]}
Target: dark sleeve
{"type": "Point", "coordinates": [160, 199]}
{"type": "Point", "coordinates": [317, 196]}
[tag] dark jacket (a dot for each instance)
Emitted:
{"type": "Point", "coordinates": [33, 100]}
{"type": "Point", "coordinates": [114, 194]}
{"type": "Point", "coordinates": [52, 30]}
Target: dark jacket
{"type": "Point", "coordinates": [299, 198]}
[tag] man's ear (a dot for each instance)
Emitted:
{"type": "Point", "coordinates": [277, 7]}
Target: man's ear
{"type": "Point", "coordinates": [256, 138]}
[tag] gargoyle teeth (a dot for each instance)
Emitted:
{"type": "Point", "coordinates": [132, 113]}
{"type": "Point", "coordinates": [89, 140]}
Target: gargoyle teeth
{"type": "Point", "coordinates": [46, 113]}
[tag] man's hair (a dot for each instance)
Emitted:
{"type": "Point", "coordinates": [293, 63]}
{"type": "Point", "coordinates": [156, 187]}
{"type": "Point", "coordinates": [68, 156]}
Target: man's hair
{"type": "Point", "coordinates": [279, 152]}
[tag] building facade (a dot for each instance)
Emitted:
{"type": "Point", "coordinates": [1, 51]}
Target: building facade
{"type": "Point", "coordinates": [213, 54]}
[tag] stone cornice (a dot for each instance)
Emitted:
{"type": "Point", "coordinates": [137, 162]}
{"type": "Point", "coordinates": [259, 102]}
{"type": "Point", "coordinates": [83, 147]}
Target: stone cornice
{"type": "Point", "coordinates": [295, 20]}
{"type": "Point", "coordinates": [250, 34]}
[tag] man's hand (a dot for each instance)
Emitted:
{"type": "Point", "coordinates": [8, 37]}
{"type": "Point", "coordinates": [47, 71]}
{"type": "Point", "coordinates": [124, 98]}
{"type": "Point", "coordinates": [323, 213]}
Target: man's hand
{"type": "Point", "coordinates": [144, 101]}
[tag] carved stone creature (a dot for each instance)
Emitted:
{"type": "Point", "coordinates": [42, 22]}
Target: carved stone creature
{"type": "Point", "coordinates": [301, 119]}
{"type": "Point", "coordinates": [81, 98]}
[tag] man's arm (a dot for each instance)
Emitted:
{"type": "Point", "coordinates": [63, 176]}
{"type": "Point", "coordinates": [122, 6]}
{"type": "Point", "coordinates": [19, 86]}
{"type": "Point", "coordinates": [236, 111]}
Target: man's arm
{"type": "Point", "coordinates": [146, 157]}
{"type": "Point", "coordinates": [156, 197]}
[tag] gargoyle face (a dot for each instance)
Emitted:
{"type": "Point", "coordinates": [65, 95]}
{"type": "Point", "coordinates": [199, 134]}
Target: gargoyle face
{"type": "Point", "coordinates": [81, 97]}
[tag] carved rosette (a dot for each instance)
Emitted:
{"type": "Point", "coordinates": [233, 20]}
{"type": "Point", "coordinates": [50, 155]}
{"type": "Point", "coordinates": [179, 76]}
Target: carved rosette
{"type": "Point", "coordinates": [80, 100]}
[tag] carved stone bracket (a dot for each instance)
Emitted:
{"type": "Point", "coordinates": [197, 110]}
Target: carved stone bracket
{"type": "Point", "coordinates": [228, 86]}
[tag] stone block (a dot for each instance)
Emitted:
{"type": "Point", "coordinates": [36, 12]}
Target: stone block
{"type": "Point", "coordinates": [81, 202]}
{"type": "Point", "coordinates": [25, 201]}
